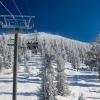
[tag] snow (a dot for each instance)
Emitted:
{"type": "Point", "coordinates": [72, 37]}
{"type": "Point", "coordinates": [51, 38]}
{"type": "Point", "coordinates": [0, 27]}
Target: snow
{"type": "Point", "coordinates": [58, 97]}
{"type": "Point", "coordinates": [51, 37]}
{"type": "Point", "coordinates": [28, 85]}
{"type": "Point", "coordinates": [82, 65]}
{"type": "Point", "coordinates": [27, 88]}
{"type": "Point", "coordinates": [83, 82]}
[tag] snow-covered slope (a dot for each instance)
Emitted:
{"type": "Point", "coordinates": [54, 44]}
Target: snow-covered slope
{"type": "Point", "coordinates": [84, 84]}
{"type": "Point", "coordinates": [28, 83]}
{"type": "Point", "coordinates": [70, 43]}
{"type": "Point", "coordinates": [51, 38]}
{"type": "Point", "coordinates": [68, 47]}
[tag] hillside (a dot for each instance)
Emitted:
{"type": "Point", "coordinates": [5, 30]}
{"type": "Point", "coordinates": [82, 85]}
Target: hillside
{"type": "Point", "coordinates": [51, 69]}
{"type": "Point", "coordinates": [71, 43]}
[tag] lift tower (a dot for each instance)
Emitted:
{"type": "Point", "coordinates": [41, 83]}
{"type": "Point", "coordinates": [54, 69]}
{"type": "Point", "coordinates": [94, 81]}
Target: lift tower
{"type": "Point", "coordinates": [98, 53]}
{"type": "Point", "coordinates": [18, 23]}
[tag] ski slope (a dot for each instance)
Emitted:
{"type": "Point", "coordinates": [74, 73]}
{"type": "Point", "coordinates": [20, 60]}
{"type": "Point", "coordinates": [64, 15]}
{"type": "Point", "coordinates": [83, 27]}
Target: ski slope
{"type": "Point", "coordinates": [29, 84]}
{"type": "Point", "coordinates": [83, 83]}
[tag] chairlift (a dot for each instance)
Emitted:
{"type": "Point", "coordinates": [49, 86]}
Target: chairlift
{"type": "Point", "coordinates": [11, 42]}
{"type": "Point", "coordinates": [16, 21]}
{"type": "Point", "coordinates": [29, 45]}
{"type": "Point", "coordinates": [20, 45]}
{"type": "Point", "coordinates": [33, 45]}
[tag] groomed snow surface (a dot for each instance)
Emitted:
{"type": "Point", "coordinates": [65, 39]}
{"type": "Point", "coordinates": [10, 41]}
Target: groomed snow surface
{"type": "Point", "coordinates": [29, 85]}
{"type": "Point", "coordinates": [83, 83]}
{"type": "Point", "coordinates": [27, 88]}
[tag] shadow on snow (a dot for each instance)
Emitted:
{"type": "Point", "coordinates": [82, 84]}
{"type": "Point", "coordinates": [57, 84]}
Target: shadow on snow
{"type": "Point", "coordinates": [21, 93]}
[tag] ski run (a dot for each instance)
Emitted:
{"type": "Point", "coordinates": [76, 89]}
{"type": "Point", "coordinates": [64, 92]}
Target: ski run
{"type": "Point", "coordinates": [82, 84]}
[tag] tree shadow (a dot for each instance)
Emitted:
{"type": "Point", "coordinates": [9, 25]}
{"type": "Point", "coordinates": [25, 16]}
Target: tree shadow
{"type": "Point", "coordinates": [97, 91]}
{"type": "Point", "coordinates": [22, 93]}
{"type": "Point", "coordinates": [22, 78]}
{"type": "Point", "coordinates": [6, 81]}
{"type": "Point", "coordinates": [89, 78]}
{"type": "Point", "coordinates": [93, 98]}
{"type": "Point", "coordinates": [83, 85]}
{"type": "Point", "coordinates": [75, 80]}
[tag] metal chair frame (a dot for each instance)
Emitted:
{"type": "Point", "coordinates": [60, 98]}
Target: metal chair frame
{"type": "Point", "coordinates": [16, 21]}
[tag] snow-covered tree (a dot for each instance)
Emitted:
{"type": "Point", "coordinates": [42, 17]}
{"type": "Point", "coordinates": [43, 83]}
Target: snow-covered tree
{"type": "Point", "coordinates": [75, 60]}
{"type": "Point", "coordinates": [61, 82]}
{"type": "Point", "coordinates": [60, 59]}
{"type": "Point", "coordinates": [62, 85]}
{"type": "Point", "coordinates": [4, 51]}
{"type": "Point", "coordinates": [1, 62]}
{"type": "Point", "coordinates": [48, 73]}
{"type": "Point", "coordinates": [93, 57]}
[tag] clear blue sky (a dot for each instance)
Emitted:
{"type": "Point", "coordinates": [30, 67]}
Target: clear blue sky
{"type": "Point", "coordinates": [77, 19]}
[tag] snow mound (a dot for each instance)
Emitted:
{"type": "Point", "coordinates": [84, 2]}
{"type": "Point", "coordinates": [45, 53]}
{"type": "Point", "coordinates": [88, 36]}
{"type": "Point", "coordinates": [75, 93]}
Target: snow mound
{"type": "Point", "coordinates": [60, 97]}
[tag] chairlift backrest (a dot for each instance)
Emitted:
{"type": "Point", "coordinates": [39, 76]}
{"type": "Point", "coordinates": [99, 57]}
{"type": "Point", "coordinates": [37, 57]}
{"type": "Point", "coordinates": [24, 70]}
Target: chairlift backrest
{"type": "Point", "coordinates": [29, 45]}
{"type": "Point", "coordinates": [11, 42]}
{"type": "Point", "coordinates": [32, 45]}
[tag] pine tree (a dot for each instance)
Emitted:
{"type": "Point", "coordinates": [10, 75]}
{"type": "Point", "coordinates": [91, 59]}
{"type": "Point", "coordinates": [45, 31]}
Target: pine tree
{"type": "Point", "coordinates": [48, 73]}
{"type": "Point", "coordinates": [61, 81]}
{"type": "Point", "coordinates": [60, 61]}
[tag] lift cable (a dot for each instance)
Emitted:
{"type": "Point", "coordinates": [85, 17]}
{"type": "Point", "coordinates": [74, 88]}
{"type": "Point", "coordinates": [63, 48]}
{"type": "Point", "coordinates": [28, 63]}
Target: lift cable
{"type": "Point", "coordinates": [27, 9]}
{"type": "Point", "coordinates": [17, 8]}
{"type": "Point", "coordinates": [7, 10]}
{"type": "Point", "coordinates": [20, 11]}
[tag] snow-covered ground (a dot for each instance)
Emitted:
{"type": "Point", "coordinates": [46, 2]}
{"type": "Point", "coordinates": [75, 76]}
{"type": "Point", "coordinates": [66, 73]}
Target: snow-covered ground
{"type": "Point", "coordinates": [28, 86]}
{"type": "Point", "coordinates": [84, 83]}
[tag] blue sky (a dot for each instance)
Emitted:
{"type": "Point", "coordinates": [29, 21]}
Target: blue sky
{"type": "Point", "coordinates": [77, 19]}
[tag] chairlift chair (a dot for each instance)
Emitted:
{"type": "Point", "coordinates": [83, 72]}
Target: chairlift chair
{"type": "Point", "coordinates": [16, 21]}
{"type": "Point", "coordinates": [35, 47]}
{"type": "Point", "coordinates": [29, 45]}
{"type": "Point", "coordinates": [11, 42]}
